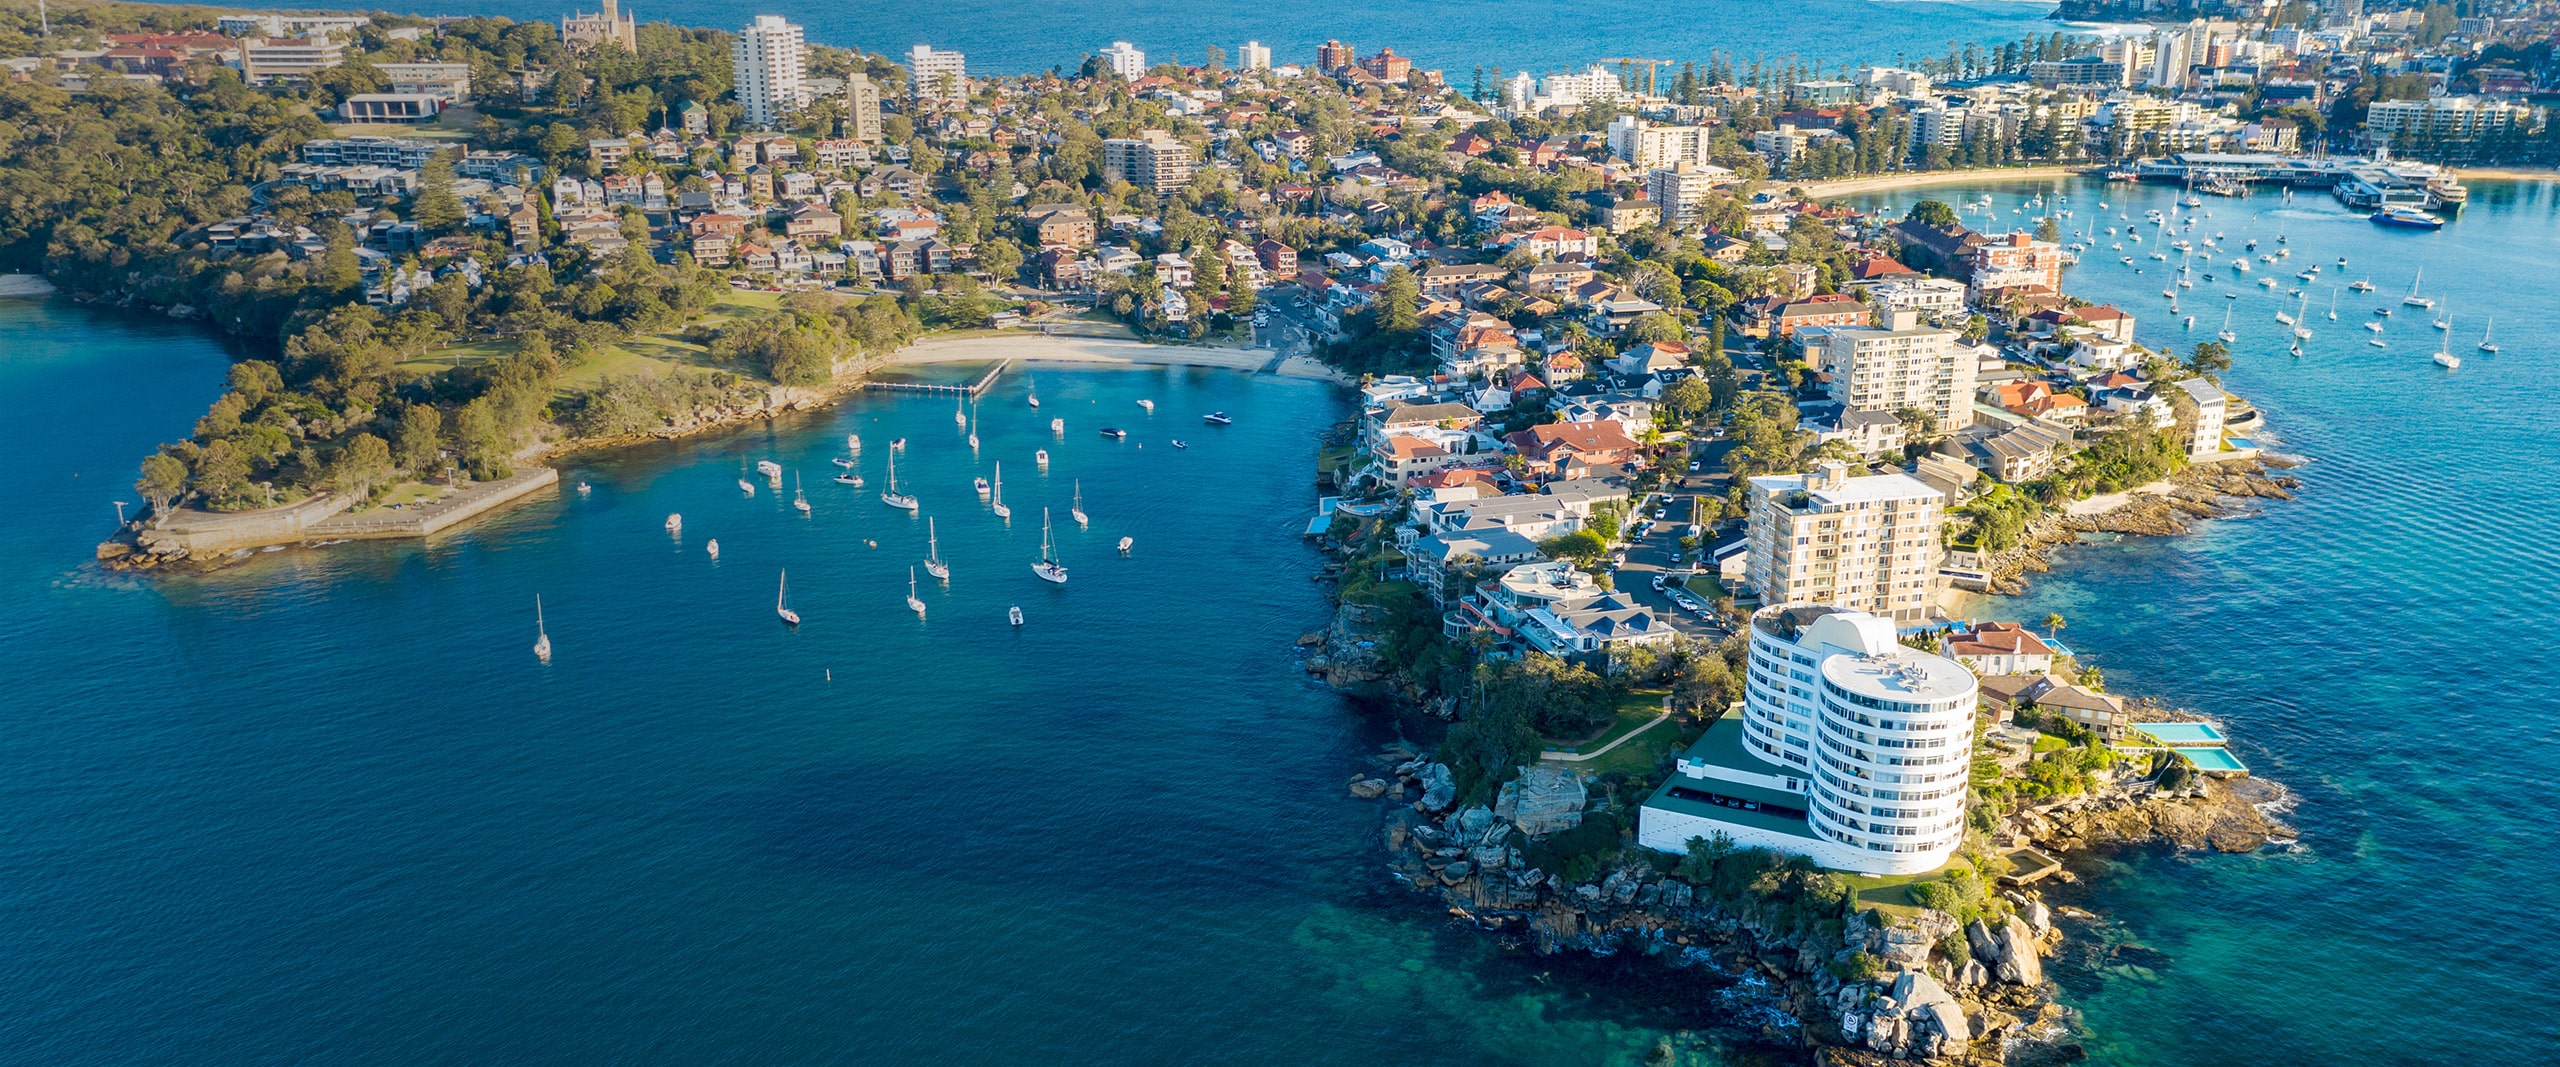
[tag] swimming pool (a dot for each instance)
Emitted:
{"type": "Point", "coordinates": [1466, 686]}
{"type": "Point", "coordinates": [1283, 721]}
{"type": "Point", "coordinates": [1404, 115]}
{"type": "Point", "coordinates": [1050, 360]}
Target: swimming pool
{"type": "Point", "coordinates": [2175, 734]}
{"type": "Point", "coordinates": [2219, 760]}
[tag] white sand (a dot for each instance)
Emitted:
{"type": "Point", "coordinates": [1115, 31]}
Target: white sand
{"type": "Point", "coordinates": [1070, 349]}
{"type": "Point", "coordinates": [24, 285]}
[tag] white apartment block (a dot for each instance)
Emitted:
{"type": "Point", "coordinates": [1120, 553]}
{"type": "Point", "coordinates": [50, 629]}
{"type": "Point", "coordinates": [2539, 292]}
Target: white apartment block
{"type": "Point", "coordinates": [1895, 80]}
{"type": "Point", "coordinates": [1907, 366]}
{"type": "Point", "coordinates": [2204, 440]}
{"type": "Point", "coordinates": [861, 107]}
{"type": "Point", "coordinates": [2450, 118]}
{"type": "Point", "coordinates": [1928, 296]}
{"type": "Point", "coordinates": [937, 75]}
{"type": "Point", "coordinates": [1125, 60]}
{"type": "Point", "coordinates": [771, 60]}
{"type": "Point", "coordinates": [1152, 160]}
{"type": "Point", "coordinates": [291, 25]}
{"type": "Point", "coordinates": [1647, 145]}
{"type": "Point", "coordinates": [1251, 55]}
{"type": "Point", "coordinates": [1681, 189]}
{"type": "Point", "coordinates": [1868, 543]}
{"type": "Point", "coordinates": [1850, 749]}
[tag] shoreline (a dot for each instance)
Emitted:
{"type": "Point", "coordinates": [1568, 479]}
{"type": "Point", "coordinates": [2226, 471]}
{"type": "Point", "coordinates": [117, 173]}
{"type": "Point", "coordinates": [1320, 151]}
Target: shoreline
{"type": "Point", "coordinates": [1920, 179]}
{"type": "Point", "coordinates": [2507, 174]}
{"type": "Point", "coordinates": [204, 541]}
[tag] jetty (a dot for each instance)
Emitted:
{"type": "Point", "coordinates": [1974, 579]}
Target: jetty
{"type": "Point", "coordinates": [973, 389]}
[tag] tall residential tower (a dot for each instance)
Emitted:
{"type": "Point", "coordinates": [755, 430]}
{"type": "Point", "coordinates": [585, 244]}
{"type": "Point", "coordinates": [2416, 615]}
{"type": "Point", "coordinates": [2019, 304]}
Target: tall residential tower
{"type": "Point", "coordinates": [771, 62]}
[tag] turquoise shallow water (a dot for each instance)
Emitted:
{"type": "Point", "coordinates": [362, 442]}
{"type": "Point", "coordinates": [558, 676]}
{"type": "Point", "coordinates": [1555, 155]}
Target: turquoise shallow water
{"type": "Point", "coordinates": [2376, 644]}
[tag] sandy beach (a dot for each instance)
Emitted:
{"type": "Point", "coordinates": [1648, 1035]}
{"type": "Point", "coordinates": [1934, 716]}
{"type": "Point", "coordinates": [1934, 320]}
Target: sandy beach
{"type": "Point", "coordinates": [2507, 174]}
{"type": "Point", "coordinates": [1068, 349]}
{"type": "Point", "coordinates": [1917, 179]}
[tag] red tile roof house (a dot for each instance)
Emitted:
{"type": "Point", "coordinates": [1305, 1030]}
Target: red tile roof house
{"type": "Point", "coordinates": [1547, 448]}
{"type": "Point", "coordinates": [1999, 648]}
{"type": "Point", "coordinates": [1827, 309]}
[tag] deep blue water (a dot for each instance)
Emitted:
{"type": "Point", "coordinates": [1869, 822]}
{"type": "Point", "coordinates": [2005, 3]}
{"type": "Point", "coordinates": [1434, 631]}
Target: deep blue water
{"type": "Point", "coordinates": [1011, 37]}
{"type": "Point", "coordinates": [2375, 644]}
{"type": "Point", "coordinates": [326, 807]}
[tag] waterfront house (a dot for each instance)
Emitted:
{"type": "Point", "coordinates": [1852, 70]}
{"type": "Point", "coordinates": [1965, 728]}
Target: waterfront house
{"type": "Point", "coordinates": [1998, 648]}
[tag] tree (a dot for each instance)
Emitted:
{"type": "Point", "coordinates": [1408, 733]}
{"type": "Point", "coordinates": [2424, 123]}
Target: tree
{"type": "Point", "coordinates": [1398, 301]}
{"type": "Point", "coordinates": [418, 437]}
{"type": "Point", "coordinates": [1702, 682]}
{"type": "Point", "coordinates": [1931, 213]}
{"type": "Point", "coordinates": [2209, 358]}
{"type": "Point", "coordinates": [1584, 547]}
{"type": "Point", "coordinates": [482, 441]}
{"type": "Point", "coordinates": [1655, 326]}
{"type": "Point", "coordinates": [364, 463]}
{"type": "Point", "coordinates": [1689, 398]}
{"type": "Point", "coordinates": [437, 211]}
{"type": "Point", "coordinates": [1000, 258]}
{"type": "Point", "coordinates": [2055, 622]}
{"type": "Point", "coordinates": [163, 479]}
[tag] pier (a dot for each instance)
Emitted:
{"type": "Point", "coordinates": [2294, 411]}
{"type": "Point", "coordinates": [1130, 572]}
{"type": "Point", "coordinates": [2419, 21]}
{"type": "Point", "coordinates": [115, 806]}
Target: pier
{"type": "Point", "coordinates": [971, 390]}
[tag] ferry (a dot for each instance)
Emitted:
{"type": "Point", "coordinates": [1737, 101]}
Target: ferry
{"type": "Point", "coordinates": [2405, 218]}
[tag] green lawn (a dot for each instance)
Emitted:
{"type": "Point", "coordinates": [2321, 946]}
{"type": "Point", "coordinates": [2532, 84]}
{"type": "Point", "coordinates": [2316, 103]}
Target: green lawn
{"type": "Point", "coordinates": [647, 353]}
{"type": "Point", "coordinates": [404, 493]}
{"type": "Point", "coordinates": [1892, 892]}
{"type": "Point", "coordinates": [1644, 754]}
{"type": "Point", "coordinates": [1635, 709]}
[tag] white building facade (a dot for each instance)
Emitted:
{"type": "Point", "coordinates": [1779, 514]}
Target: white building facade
{"type": "Point", "coordinates": [1867, 544]}
{"type": "Point", "coordinates": [771, 60]}
{"type": "Point", "coordinates": [1871, 739]}
{"type": "Point", "coordinates": [937, 75]}
{"type": "Point", "coordinates": [1125, 60]}
{"type": "Point", "coordinates": [1251, 55]}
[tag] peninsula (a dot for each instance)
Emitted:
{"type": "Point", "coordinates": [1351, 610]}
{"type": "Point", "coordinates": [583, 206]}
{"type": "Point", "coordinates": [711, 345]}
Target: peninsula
{"type": "Point", "coordinates": [1670, 469]}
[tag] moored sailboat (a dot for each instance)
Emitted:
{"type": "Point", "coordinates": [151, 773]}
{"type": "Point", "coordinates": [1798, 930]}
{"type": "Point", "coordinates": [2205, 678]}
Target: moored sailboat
{"type": "Point", "coordinates": [1050, 569]}
{"type": "Point", "coordinates": [933, 564]}
{"type": "Point", "coordinates": [541, 635]}
{"type": "Point", "coordinates": [782, 601]}
{"type": "Point", "coordinates": [1076, 510]}
{"type": "Point", "coordinates": [997, 496]}
{"type": "Point", "coordinates": [914, 603]}
{"type": "Point", "coordinates": [891, 496]}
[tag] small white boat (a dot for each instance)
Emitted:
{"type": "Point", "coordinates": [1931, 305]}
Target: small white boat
{"type": "Point", "coordinates": [541, 636]}
{"type": "Point", "coordinates": [853, 443]}
{"type": "Point", "coordinates": [2360, 286]}
{"type": "Point", "coordinates": [982, 487]}
{"type": "Point", "coordinates": [849, 478]}
{"type": "Point", "coordinates": [2447, 360]}
{"type": "Point", "coordinates": [845, 462]}
{"type": "Point", "coordinates": [1124, 545]}
{"type": "Point", "coordinates": [1217, 418]}
{"type": "Point", "coordinates": [771, 470]}
{"type": "Point", "coordinates": [933, 564]}
{"type": "Point", "coordinates": [1058, 427]}
{"type": "Point", "coordinates": [799, 500]}
{"type": "Point", "coordinates": [1076, 510]}
{"type": "Point", "coordinates": [713, 547]}
{"type": "Point", "coordinates": [782, 601]}
{"type": "Point", "coordinates": [1014, 613]}
{"type": "Point", "coordinates": [1042, 458]}
{"type": "Point", "coordinates": [1050, 569]}
{"type": "Point", "coordinates": [2413, 299]}
{"type": "Point", "coordinates": [958, 417]}
{"type": "Point", "coordinates": [2373, 326]}
{"type": "Point", "coordinates": [746, 487]}
{"type": "Point", "coordinates": [891, 496]}
{"type": "Point", "coordinates": [2487, 345]}
{"type": "Point", "coordinates": [584, 489]}
{"type": "Point", "coordinates": [997, 496]}
{"type": "Point", "coordinates": [899, 445]}
{"type": "Point", "coordinates": [1034, 384]}
{"type": "Point", "coordinates": [2376, 342]}
{"type": "Point", "coordinates": [972, 423]}
{"type": "Point", "coordinates": [913, 603]}
{"type": "Point", "coordinates": [1180, 443]}
{"type": "Point", "coordinates": [675, 524]}
{"type": "Point", "coordinates": [1147, 404]}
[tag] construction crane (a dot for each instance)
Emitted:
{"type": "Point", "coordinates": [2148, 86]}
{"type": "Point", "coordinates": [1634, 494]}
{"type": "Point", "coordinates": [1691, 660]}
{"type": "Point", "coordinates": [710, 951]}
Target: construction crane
{"type": "Point", "coordinates": [1652, 66]}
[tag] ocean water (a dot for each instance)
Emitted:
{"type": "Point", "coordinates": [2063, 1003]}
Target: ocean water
{"type": "Point", "coordinates": [1011, 37]}
{"type": "Point", "coordinates": [326, 806]}
{"type": "Point", "coordinates": [2376, 644]}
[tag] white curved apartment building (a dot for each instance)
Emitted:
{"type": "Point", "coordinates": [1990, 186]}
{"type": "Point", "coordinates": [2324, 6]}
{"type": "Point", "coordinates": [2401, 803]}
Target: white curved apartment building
{"type": "Point", "coordinates": [1849, 748]}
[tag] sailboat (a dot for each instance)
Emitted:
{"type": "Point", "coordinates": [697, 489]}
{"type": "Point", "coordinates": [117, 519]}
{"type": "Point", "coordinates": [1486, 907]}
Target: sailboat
{"type": "Point", "coordinates": [1049, 568]}
{"type": "Point", "coordinates": [933, 564]}
{"type": "Point", "coordinates": [2333, 303]}
{"type": "Point", "coordinates": [799, 500]}
{"type": "Point", "coordinates": [973, 427]}
{"type": "Point", "coordinates": [913, 604]}
{"type": "Point", "coordinates": [744, 485]}
{"type": "Point", "coordinates": [2302, 314]}
{"type": "Point", "coordinates": [2487, 345]}
{"type": "Point", "coordinates": [1076, 511]}
{"type": "Point", "coordinates": [2444, 356]}
{"type": "Point", "coordinates": [541, 636]}
{"type": "Point", "coordinates": [2225, 335]}
{"type": "Point", "coordinates": [1002, 512]}
{"type": "Point", "coordinates": [958, 418]}
{"type": "Point", "coordinates": [1035, 388]}
{"type": "Point", "coordinates": [891, 496]}
{"type": "Point", "coordinates": [782, 601]}
{"type": "Point", "coordinates": [2413, 299]}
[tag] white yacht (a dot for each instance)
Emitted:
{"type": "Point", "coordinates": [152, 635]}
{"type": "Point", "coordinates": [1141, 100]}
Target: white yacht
{"type": "Point", "coordinates": [1050, 569]}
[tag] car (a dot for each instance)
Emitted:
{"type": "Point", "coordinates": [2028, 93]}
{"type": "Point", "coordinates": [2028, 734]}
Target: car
{"type": "Point", "coordinates": [1657, 583]}
{"type": "Point", "coordinates": [1675, 557]}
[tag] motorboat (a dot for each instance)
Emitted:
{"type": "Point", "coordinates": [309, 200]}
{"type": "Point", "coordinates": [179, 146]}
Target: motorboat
{"type": "Point", "coordinates": [771, 470]}
{"type": "Point", "coordinates": [1014, 613]}
{"type": "Point", "coordinates": [1217, 418]}
{"type": "Point", "coordinates": [1115, 433]}
{"type": "Point", "coordinates": [1124, 545]}
{"type": "Point", "coordinates": [1042, 458]}
{"type": "Point", "coordinates": [1150, 405]}
{"type": "Point", "coordinates": [675, 524]}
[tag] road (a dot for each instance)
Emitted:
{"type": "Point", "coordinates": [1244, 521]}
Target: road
{"type": "Point", "coordinates": [1651, 556]}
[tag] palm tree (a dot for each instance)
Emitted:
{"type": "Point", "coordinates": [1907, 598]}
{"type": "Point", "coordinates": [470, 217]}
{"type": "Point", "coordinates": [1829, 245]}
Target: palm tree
{"type": "Point", "coordinates": [2055, 622]}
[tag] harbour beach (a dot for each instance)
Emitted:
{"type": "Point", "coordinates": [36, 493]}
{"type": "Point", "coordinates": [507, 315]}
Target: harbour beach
{"type": "Point", "coordinates": [1100, 351]}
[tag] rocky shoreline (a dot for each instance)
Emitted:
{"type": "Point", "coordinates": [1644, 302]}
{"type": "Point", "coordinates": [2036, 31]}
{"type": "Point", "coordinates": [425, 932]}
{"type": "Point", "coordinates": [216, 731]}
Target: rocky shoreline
{"type": "Point", "coordinates": [2206, 491]}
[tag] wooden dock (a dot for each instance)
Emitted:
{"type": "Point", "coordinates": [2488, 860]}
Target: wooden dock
{"type": "Point", "coordinates": [973, 389]}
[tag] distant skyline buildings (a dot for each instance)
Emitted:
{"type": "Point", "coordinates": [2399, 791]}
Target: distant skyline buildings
{"type": "Point", "coordinates": [1125, 60]}
{"type": "Point", "coordinates": [934, 74]}
{"type": "Point", "coordinates": [1252, 55]}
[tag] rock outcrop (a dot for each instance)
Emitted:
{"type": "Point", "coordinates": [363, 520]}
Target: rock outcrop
{"type": "Point", "coordinates": [1542, 800]}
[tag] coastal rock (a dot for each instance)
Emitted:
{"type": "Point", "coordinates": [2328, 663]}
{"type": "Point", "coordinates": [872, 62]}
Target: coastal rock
{"type": "Point", "coordinates": [1490, 857]}
{"type": "Point", "coordinates": [1310, 640]}
{"type": "Point", "coordinates": [1473, 822]}
{"type": "Point", "coordinates": [1439, 791]}
{"type": "Point", "coordinates": [1926, 999]}
{"type": "Point", "coordinates": [2018, 962]}
{"type": "Point", "coordinates": [1986, 947]}
{"type": "Point", "coordinates": [2039, 917]}
{"type": "Point", "coordinates": [1456, 872]}
{"type": "Point", "coordinates": [1369, 788]}
{"type": "Point", "coordinates": [1543, 800]}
